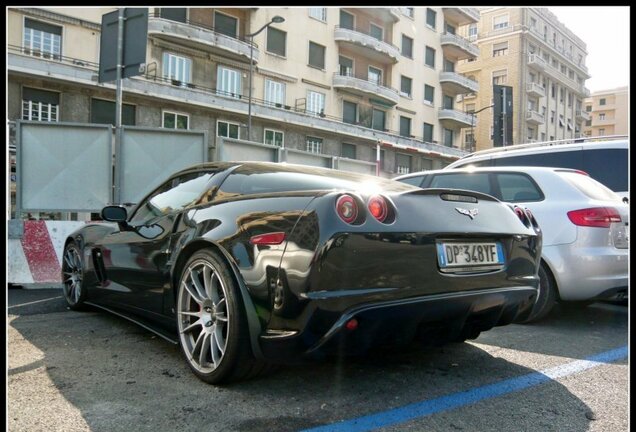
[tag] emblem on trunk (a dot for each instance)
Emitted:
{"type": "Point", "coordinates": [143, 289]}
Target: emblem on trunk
{"type": "Point", "coordinates": [470, 213]}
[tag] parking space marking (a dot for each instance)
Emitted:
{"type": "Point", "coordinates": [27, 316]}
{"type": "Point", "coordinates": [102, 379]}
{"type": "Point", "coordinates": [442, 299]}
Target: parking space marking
{"type": "Point", "coordinates": [34, 302]}
{"type": "Point", "coordinates": [456, 400]}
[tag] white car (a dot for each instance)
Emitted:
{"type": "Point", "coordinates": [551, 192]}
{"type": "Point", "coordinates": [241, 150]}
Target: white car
{"type": "Point", "coordinates": [585, 226]}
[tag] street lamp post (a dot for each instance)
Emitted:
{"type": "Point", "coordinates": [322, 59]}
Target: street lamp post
{"type": "Point", "coordinates": [472, 124]}
{"type": "Point", "coordinates": [277, 19]}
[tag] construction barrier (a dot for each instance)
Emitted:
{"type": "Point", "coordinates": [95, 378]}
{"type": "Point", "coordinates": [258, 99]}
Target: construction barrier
{"type": "Point", "coordinates": [36, 258]}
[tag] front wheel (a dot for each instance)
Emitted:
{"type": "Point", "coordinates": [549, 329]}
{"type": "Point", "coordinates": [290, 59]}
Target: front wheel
{"type": "Point", "coordinates": [212, 326]}
{"type": "Point", "coordinates": [72, 275]}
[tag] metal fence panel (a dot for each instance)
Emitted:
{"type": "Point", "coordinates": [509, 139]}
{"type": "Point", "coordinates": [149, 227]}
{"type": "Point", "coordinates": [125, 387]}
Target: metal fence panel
{"type": "Point", "coordinates": [63, 166]}
{"type": "Point", "coordinates": [357, 166]}
{"type": "Point", "coordinates": [307, 158]}
{"type": "Point", "coordinates": [238, 150]}
{"type": "Point", "coordinates": [149, 155]}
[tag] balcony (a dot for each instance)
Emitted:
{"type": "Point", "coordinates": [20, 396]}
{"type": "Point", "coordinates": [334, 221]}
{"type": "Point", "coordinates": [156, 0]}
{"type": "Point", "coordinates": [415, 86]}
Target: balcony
{"type": "Point", "coordinates": [534, 117]}
{"type": "Point", "coordinates": [458, 47]}
{"type": "Point", "coordinates": [454, 84]}
{"type": "Point", "coordinates": [461, 15]}
{"type": "Point", "coordinates": [536, 62]}
{"type": "Point", "coordinates": [582, 115]}
{"type": "Point", "coordinates": [385, 14]}
{"type": "Point", "coordinates": [364, 87]}
{"type": "Point", "coordinates": [367, 45]}
{"type": "Point", "coordinates": [200, 37]}
{"type": "Point", "coordinates": [535, 90]}
{"type": "Point", "coordinates": [454, 119]}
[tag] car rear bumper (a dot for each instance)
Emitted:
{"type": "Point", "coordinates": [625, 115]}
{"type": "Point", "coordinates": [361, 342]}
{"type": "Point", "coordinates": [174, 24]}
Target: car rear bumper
{"type": "Point", "coordinates": [587, 273]}
{"type": "Point", "coordinates": [438, 317]}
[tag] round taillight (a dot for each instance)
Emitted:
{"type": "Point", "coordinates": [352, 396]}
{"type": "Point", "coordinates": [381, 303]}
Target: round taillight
{"type": "Point", "coordinates": [347, 208]}
{"type": "Point", "coordinates": [522, 216]}
{"type": "Point", "coordinates": [378, 208]}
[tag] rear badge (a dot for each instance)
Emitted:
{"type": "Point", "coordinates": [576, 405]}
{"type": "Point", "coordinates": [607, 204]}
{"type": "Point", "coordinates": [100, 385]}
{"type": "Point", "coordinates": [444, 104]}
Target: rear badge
{"type": "Point", "coordinates": [470, 213]}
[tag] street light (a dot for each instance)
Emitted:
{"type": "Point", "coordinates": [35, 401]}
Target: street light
{"type": "Point", "coordinates": [277, 19]}
{"type": "Point", "coordinates": [472, 123]}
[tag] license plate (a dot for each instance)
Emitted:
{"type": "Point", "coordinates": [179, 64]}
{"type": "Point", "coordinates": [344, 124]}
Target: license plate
{"type": "Point", "coordinates": [469, 254]}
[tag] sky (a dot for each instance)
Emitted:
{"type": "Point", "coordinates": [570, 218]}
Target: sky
{"type": "Point", "coordinates": [605, 30]}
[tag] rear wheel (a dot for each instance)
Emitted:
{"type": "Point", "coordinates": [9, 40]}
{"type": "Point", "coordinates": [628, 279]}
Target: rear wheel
{"type": "Point", "coordinates": [212, 326]}
{"type": "Point", "coordinates": [72, 275]}
{"type": "Point", "coordinates": [546, 297]}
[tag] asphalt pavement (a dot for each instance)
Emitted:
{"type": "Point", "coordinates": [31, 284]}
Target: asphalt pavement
{"type": "Point", "coordinates": [90, 371]}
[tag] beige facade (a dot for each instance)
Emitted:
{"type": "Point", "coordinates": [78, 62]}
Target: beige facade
{"type": "Point", "coordinates": [608, 113]}
{"type": "Point", "coordinates": [346, 78]}
{"type": "Point", "coordinates": [544, 63]}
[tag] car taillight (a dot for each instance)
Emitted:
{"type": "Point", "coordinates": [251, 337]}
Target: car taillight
{"type": "Point", "coordinates": [600, 217]}
{"type": "Point", "coordinates": [347, 208]}
{"type": "Point", "coordinates": [378, 208]}
{"type": "Point", "coordinates": [274, 238]}
{"type": "Point", "coordinates": [533, 220]}
{"type": "Point", "coordinates": [522, 216]}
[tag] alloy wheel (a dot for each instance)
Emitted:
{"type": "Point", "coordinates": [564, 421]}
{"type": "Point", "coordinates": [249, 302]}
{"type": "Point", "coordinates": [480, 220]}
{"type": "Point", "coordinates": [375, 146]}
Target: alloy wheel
{"type": "Point", "coordinates": [72, 275]}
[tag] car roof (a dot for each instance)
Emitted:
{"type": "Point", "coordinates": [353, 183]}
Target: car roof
{"type": "Point", "coordinates": [524, 169]}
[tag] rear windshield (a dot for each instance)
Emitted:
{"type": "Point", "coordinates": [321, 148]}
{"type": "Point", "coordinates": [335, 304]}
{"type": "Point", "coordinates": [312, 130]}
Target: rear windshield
{"type": "Point", "coordinates": [415, 181]}
{"type": "Point", "coordinates": [478, 182]}
{"type": "Point", "coordinates": [588, 186]}
{"type": "Point", "coordinates": [260, 179]}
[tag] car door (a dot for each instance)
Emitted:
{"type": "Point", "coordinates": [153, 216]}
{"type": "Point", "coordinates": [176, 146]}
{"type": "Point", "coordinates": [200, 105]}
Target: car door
{"type": "Point", "coordinates": [136, 260]}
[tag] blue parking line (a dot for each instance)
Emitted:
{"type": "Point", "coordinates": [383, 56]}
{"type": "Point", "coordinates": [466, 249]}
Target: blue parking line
{"type": "Point", "coordinates": [456, 400]}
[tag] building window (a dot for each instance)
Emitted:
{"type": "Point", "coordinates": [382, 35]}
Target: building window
{"type": "Point", "coordinates": [561, 122]}
{"type": "Point", "coordinates": [533, 22]}
{"type": "Point", "coordinates": [448, 66]}
{"type": "Point", "coordinates": [103, 112]}
{"type": "Point", "coordinates": [225, 24]}
{"type": "Point", "coordinates": [320, 13]}
{"type": "Point", "coordinates": [172, 120]}
{"type": "Point", "coordinates": [470, 108]}
{"type": "Point", "coordinates": [601, 132]}
{"type": "Point", "coordinates": [402, 163]}
{"type": "Point", "coordinates": [588, 108]}
{"type": "Point", "coordinates": [601, 101]}
{"type": "Point", "coordinates": [376, 31]}
{"type": "Point", "coordinates": [429, 58]}
{"type": "Point", "coordinates": [448, 137]}
{"type": "Point", "coordinates": [448, 102]}
{"type": "Point", "coordinates": [228, 82]}
{"type": "Point", "coordinates": [315, 103]}
{"type": "Point", "coordinates": [472, 31]}
{"type": "Point", "coordinates": [273, 137]}
{"type": "Point", "coordinates": [431, 18]}
{"type": "Point", "coordinates": [42, 39]}
{"type": "Point", "coordinates": [405, 86]}
{"type": "Point", "coordinates": [346, 66]}
{"type": "Point", "coordinates": [553, 91]}
{"type": "Point", "coordinates": [601, 116]}
{"type": "Point", "coordinates": [349, 112]}
{"type": "Point", "coordinates": [588, 122]}
{"type": "Point", "coordinates": [346, 20]}
{"type": "Point", "coordinates": [469, 141]}
{"type": "Point", "coordinates": [276, 41]}
{"type": "Point", "coordinates": [500, 22]}
{"type": "Point", "coordinates": [379, 120]}
{"type": "Point", "coordinates": [561, 94]}
{"type": "Point", "coordinates": [177, 68]}
{"type": "Point", "coordinates": [40, 105]}
{"type": "Point", "coordinates": [500, 77]}
{"type": "Point", "coordinates": [552, 116]}
{"type": "Point", "coordinates": [429, 94]}
{"type": "Point", "coordinates": [407, 46]}
{"type": "Point", "coordinates": [570, 99]}
{"type": "Point", "coordinates": [405, 126]}
{"type": "Point", "coordinates": [316, 55]}
{"type": "Point", "coordinates": [500, 49]}
{"type": "Point", "coordinates": [314, 145]}
{"type": "Point", "coordinates": [530, 133]}
{"type": "Point", "coordinates": [274, 93]}
{"type": "Point", "coordinates": [409, 12]}
{"type": "Point", "coordinates": [375, 75]}
{"type": "Point", "coordinates": [428, 133]}
{"type": "Point", "coordinates": [348, 151]}
{"type": "Point", "coordinates": [227, 129]}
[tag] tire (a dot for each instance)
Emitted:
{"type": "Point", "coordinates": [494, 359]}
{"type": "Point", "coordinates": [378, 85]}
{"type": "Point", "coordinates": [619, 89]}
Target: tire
{"type": "Point", "coordinates": [72, 276]}
{"type": "Point", "coordinates": [213, 332]}
{"type": "Point", "coordinates": [546, 298]}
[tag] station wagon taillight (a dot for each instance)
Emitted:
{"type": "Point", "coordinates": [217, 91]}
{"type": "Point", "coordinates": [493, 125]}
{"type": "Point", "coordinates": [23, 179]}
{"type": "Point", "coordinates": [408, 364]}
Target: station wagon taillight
{"type": "Point", "coordinates": [522, 216]}
{"type": "Point", "coordinates": [600, 217]}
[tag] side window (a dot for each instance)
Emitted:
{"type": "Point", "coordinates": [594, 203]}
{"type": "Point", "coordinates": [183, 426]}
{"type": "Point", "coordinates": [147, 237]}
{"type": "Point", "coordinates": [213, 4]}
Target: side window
{"type": "Point", "coordinates": [174, 195]}
{"type": "Point", "coordinates": [517, 187]}
{"type": "Point", "coordinates": [561, 159]}
{"type": "Point", "coordinates": [479, 182]}
{"type": "Point", "coordinates": [415, 181]}
{"type": "Point", "coordinates": [608, 166]}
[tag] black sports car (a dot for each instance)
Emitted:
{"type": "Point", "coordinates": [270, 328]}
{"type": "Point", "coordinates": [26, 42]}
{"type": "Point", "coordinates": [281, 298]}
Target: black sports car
{"type": "Point", "coordinates": [258, 262]}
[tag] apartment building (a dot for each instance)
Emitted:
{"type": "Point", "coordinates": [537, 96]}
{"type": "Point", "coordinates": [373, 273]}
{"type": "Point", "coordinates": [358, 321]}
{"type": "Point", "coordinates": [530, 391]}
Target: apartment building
{"type": "Point", "coordinates": [334, 81]}
{"type": "Point", "coordinates": [607, 111]}
{"type": "Point", "coordinates": [544, 63]}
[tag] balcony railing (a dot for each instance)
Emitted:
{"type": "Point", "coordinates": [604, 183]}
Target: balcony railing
{"type": "Point", "coordinates": [536, 61]}
{"type": "Point", "coordinates": [535, 89]}
{"type": "Point", "coordinates": [455, 117]}
{"type": "Point", "coordinates": [464, 44]}
{"type": "Point", "coordinates": [460, 83]}
{"type": "Point", "coordinates": [364, 39]}
{"type": "Point", "coordinates": [582, 114]}
{"type": "Point", "coordinates": [534, 117]}
{"type": "Point", "coordinates": [370, 87]}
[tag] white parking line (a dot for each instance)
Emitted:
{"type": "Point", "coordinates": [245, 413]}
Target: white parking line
{"type": "Point", "coordinates": [34, 302]}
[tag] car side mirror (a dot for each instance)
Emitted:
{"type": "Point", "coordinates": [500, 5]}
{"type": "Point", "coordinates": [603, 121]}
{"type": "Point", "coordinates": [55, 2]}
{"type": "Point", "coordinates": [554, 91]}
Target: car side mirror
{"type": "Point", "coordinates": [626, 200]}
{"type": "Point", "coordinates": [116, 214]}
